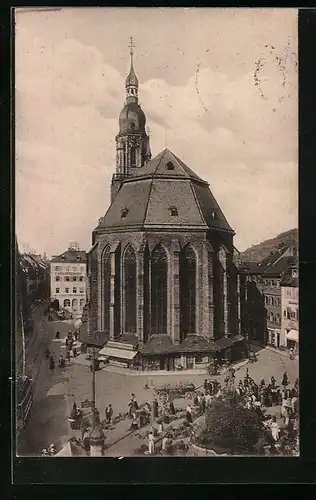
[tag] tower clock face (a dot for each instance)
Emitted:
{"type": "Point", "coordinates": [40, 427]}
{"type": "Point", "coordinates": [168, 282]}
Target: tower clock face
{"type": "Point", "coordinates": [134, 141]}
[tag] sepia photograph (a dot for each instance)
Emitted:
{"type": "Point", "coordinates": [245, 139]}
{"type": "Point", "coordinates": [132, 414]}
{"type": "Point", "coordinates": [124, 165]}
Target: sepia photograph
{"type": "Point", "coordinates": [156, 232]}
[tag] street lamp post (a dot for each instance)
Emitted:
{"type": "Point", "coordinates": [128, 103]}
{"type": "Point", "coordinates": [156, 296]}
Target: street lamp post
{"type": "Point", "coordinates": [96, 434]}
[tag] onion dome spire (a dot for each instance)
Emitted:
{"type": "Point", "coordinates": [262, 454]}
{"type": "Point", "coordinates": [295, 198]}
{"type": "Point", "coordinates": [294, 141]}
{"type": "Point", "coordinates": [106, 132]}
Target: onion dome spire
{"type": "Point", "coordinates": [131, 82]}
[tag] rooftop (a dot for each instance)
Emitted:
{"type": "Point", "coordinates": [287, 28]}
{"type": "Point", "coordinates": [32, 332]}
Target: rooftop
{"type": "Point", "coordinates": [71, 255]}
{"type": "Point", "coordinates": [164, 192]}
{"type": "Point", "coordinates": [290, 278]}
{"type": "Point", "coordinates": [278, 268]}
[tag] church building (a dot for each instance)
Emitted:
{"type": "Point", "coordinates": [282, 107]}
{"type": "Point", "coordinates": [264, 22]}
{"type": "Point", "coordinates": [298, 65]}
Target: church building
{"type": "Point", "coordinates": [163, 279]}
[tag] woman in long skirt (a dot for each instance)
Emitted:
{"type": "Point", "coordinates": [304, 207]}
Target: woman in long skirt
{"type": "Point", "coordinates": [151, 444]}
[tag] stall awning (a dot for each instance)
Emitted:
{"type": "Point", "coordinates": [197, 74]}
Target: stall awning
{"type": "Point", "coordinates": [292, 335]}
{"type": "Point", "coordinates": [71, 450]}
{"type": "Point", "coordinates": [117, 353]}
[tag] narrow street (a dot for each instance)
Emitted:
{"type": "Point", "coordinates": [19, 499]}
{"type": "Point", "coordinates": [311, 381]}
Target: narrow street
{"type": "Point", "coordinates": [47, 420]}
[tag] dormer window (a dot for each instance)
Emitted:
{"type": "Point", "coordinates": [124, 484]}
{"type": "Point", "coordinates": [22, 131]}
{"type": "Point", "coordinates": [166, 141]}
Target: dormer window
{"type": "Point", "coordinates": [170, 165]}
{"type": "Point", "coordinates": [214, 215]}
{"type": "Point", "coordinates": [124, 213]}
{"type": "Point", "coordinates": [173, 211]}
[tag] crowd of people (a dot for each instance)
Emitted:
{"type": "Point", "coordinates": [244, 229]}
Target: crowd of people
{"type": "Point", "coordinates": [257, 397]}
{"type": "Point", "coordinates": [71, 350]}
{"type": "Point", "coordinates": [50, 451]}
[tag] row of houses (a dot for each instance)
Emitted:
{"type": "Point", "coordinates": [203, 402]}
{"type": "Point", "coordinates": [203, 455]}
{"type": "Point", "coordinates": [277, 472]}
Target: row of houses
{"type": "Point", "coordinates": [269, 299]}
{"type": "Point", "coordinates": [35, 277]}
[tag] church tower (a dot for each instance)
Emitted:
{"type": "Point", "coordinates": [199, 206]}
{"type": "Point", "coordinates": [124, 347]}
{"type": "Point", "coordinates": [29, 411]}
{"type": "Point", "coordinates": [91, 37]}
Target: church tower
{"type": "Point", "coordinates": [132, 141]}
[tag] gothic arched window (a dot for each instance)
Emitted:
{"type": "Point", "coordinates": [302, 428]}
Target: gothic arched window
{"type": "Point", "coordinates": [106, 277]}
{"type": "Point", "coordinates": [130, 278]}
{"type": "Point", "coordinates": [187, 291]}
{"type": "Point", "coordinates": [66, 303]}
{"type": "Point", "coordinates": [159, 276]}
{"type": "Point", "coordinates": [133, 157]}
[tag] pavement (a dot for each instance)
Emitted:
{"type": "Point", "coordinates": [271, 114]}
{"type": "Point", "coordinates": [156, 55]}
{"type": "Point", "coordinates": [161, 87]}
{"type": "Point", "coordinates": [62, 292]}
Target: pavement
{"type": "Point", "coordinates": [57, 390]}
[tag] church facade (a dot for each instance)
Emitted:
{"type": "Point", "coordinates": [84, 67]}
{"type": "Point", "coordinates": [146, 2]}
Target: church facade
{"type": "Point", "coordinates": [163, 280]}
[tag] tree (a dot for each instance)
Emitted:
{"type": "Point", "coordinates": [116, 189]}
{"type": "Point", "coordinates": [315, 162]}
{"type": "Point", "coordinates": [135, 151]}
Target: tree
{"type": "Point", "coordinates": [232, 427]}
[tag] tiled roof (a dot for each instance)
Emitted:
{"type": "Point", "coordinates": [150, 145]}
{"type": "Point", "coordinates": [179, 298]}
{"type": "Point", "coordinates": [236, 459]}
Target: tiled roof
{"type": "Point", "coordinates": [225, 342]}
{"type": "Point", "coordinates": [288, 279]}
{"type": "Point", "coordinates": [279, 267]}
{"type": "Point", "coordinates": [158, 167]}
{"type": "Point", "coordinates": [147, 196]}
{"type": "Point", "coordinates": [250, 268]}
{"type": "Point", "coordinates": [163, 344]}
{"type": "Point", "coordinates": [211, 210]}
{"type": "Point", "coordinates": [196, 343]}
{"type": "Point", "coordinates": [97, 339]}
{"type": "Point", "coordinates": [158, 344]}
{"type": "Point", "coordinates": [71, 256]}
{"type": "Point", "coordinates": [128, 338]}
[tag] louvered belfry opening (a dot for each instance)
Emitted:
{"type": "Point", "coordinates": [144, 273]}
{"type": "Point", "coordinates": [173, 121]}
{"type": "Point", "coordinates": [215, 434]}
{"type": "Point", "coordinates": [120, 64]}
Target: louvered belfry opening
{"type": "Point", "coordinates": [159, 276]}
{"type": "Point", "coordinates": [187, 292]}
{"type": "Point", "coordinates": [130, 289]}
{"type": "Point", "coordinates": [106, 265]}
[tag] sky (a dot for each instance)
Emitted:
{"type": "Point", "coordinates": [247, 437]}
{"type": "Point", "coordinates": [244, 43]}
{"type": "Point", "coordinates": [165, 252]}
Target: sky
{"type": "Point", "coordinates": [218, 87]}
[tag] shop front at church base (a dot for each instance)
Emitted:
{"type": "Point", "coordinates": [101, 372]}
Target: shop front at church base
{"type": "Point", "coordinates": [193, 353]}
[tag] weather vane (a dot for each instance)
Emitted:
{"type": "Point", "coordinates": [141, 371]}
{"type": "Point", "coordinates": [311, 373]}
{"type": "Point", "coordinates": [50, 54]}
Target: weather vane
{"type": "Point", "coordinates": [131, 46]}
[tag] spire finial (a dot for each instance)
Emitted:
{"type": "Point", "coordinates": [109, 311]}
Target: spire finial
{"type": "Point", "coordinates": [131, 47]}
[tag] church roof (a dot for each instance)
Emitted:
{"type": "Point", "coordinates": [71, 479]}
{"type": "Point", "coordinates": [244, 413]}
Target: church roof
{"type": "Point", "coordinates": [146, 197]}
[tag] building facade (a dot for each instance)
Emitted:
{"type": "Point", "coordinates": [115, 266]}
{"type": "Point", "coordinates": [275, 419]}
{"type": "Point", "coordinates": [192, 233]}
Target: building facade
{"type": "Point", "coordinates": [290, 309]}
{"type": "Point", "coordinates": [68, 273]}
{"type": "Point", "coordinates": [35, 275]}
{"type": "Point", "coordinates": [163, 270]}
{"type": "Point", "coordinates": [261, 301]}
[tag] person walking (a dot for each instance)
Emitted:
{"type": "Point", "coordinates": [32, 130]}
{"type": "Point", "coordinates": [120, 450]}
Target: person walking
{"type": "Point", "coordinates": [160, 427]}
{"type": "Point", "coordinates": [151, 443]}
{"type": "Point", "coordinates": [134, 424]}
{"type": "Point", "coordinates": [285, 380]}
{"type": "Point", "coordinates": [108, 414]}
{"type": "Point", "coordinates": [275, 429]}
{"type": "Point", "coordinates": [155, 408]}
{"type": "Point", "coordinates": [189, 414]}
{"type": "Point", "coordinates": [61, 361]}
{"type": "Point", "coordinates": [51, 362]}
{"type": "Point", "coordinates": [171, 407]}
{"type": "Point", "coordinates": [205, 385]}
{"type": "Point", "coordinates": [57, 336]}
{"type": "Point", "coordinates": [131, 406]}
{"type": "Point", "coordinates": [202, 403]}
{"type": "Point", "coordinates": [164, 444]}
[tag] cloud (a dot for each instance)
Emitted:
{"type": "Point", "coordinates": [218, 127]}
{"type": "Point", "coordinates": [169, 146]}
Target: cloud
{"type": "Point", "coordinates": [68, 98]}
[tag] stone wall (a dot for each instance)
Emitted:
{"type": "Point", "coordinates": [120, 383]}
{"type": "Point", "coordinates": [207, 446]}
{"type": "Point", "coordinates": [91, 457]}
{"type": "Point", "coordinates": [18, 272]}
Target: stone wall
{"type": "Point", "coordinates": [207, 263]}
